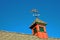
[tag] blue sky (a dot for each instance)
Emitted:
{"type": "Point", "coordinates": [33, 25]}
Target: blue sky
{"type": "Point", "coordinates": [16, 15]}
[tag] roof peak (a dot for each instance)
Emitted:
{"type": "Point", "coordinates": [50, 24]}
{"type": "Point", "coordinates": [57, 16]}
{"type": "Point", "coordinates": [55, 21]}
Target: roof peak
{"type": "Point", "coordinates": [38, 20]}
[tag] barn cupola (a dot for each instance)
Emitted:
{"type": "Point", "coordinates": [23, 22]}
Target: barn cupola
{"type": "Point", "coordinates": [38, 27]}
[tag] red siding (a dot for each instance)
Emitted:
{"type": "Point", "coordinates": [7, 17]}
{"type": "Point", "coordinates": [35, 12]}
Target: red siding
{"type": "Point", "coordinates": [40, 34]}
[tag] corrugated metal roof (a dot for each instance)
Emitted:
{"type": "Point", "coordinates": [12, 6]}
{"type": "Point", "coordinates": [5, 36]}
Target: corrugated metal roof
{"type": "Point", "coordinates": [17, 36]}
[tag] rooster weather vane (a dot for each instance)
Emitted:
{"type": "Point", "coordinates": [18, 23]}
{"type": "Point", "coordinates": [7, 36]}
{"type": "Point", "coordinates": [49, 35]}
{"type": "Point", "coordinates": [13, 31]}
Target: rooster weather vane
{"type": "Point", "coordinates": [35, 13]}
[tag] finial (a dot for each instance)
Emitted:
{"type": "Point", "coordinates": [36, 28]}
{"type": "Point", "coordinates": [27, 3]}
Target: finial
{"type": "Point", "coordinates": [35, 13]}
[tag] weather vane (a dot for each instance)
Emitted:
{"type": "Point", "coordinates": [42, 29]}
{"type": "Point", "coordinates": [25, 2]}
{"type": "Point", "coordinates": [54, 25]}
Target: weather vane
{"type": "Point", "coordinates": [35, 13]}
